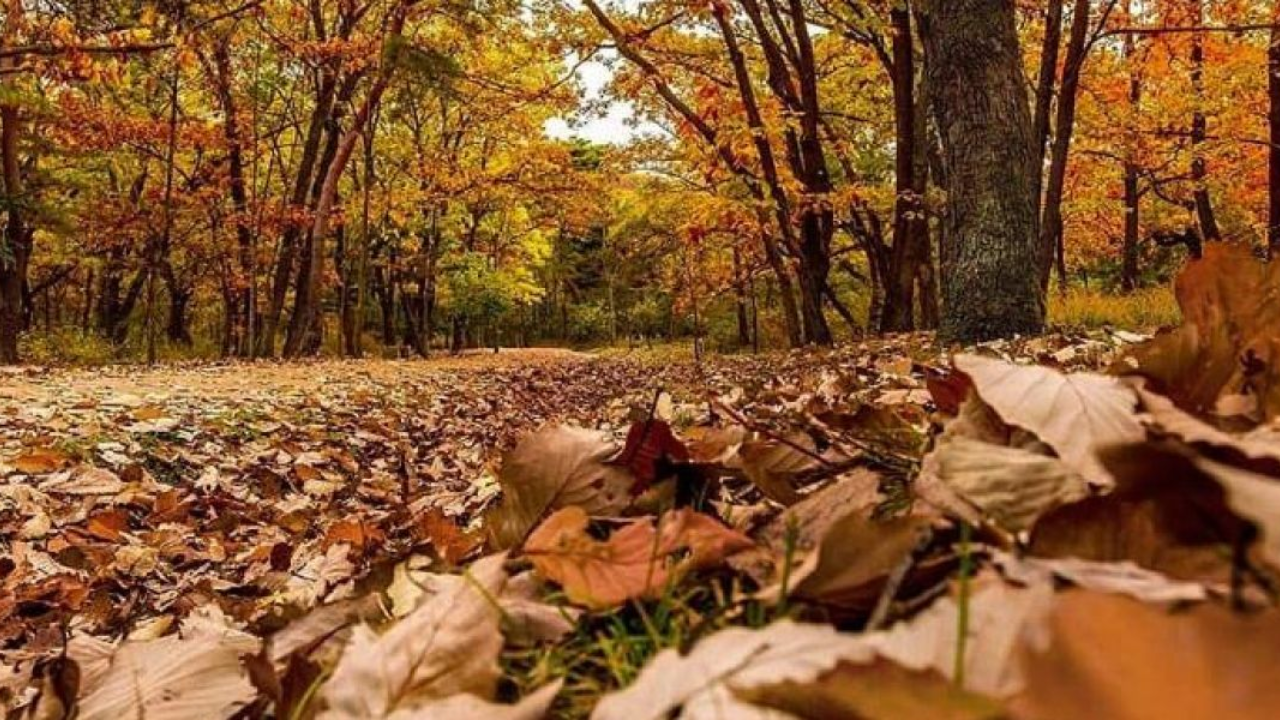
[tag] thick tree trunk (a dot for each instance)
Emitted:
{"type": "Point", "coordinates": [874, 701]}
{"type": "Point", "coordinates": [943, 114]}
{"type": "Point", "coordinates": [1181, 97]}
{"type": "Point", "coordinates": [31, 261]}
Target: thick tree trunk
{"type": "Point", "coordinates": [1063, 127]}
{"type": "Point", "coordinates": [991, 259]}
{"type": "Point", "coordinates": [15, 250]}
{"type": "Point", "coordinates": [15, 254]}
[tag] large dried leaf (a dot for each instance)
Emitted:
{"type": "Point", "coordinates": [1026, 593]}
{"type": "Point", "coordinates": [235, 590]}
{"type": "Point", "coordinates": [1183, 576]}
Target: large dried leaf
{"type": "Point", "coordinates": [1074, 414]}
{"type": "Point", "coordinates": [1116, 658]}
{"type": "Point", "coordinates": [1163, 415]}
{"type": "Point", "coordinates": [799, 528]}
{"type": "Point", "coordinates": [1228, 345]}
{"type": "Point", "coordinates": [1122, 578]}
{"type": "Point", "coordinates": [447, 646]}
{"type": "Point", "coordinates": [1013, 487]}
{"type": "Point", "coordinates": [880, 690]}
{"type": "Point", "coordinates": [634, 562]}
{"type": "Point", "coordinates": [557, 467]}
{"type": "Point", "coordinates": [196, 673]}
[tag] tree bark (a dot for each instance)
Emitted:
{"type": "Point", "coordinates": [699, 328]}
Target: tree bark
{"type": "Point", "coordinates": [15, 253]}
{"type": "Point", "coordinates": [991, 259]}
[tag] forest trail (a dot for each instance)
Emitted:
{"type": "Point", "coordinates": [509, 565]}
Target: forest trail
{"type": "Point", "coordinates": [127, 386]}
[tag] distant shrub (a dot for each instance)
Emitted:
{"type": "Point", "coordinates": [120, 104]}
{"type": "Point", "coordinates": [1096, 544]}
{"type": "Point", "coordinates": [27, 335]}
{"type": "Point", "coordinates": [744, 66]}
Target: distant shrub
{"type": "Point", "coordinates": [67, 346]}
{"type": "Point", "coordinates": [1149, 308]}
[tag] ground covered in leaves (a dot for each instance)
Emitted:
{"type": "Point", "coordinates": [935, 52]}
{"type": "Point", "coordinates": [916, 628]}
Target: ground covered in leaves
{"type": "Point", "coordinates": [1063, 527]}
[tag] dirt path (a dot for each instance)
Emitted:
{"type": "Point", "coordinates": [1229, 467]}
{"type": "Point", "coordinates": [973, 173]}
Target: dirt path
{"type": "Point", "coordinates": [131, 385]}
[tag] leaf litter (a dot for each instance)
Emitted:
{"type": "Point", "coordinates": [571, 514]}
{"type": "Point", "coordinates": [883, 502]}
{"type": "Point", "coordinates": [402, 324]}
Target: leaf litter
{"type": "Point", "coordinates": [1042, 528]}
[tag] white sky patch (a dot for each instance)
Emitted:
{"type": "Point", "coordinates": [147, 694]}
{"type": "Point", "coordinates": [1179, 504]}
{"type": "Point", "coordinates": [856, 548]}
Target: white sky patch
{"type": "Point", "coordinates": [615, 124]}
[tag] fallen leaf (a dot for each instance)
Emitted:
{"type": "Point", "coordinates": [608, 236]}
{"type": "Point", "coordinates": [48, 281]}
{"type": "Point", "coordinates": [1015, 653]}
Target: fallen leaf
{"type": "Point", "coordinates": [39, 461]}
{"type": "Point", "coordinates": [1113, 657]}
{"type": "Point", "coordinates": [1073, 413]}
{"type": "Point", "coordinates": [1227, 343]}
{"type": "Point", "coordinates": [879, 690]}
{"type": "Point", "coordinates": [650, 445]}
{"type": "Point", "coordinates": [973, 479]}
{"type": "Point", "coordinates": [448, 645]}
{"type": "Point", "coordinates": [194, 674]}
{"type": "Point", "coordinates": [775, 466]}
{"type": "Point", "coordinates": [555, 468]}
{"type": "Point", "coordinates": [633, 562]}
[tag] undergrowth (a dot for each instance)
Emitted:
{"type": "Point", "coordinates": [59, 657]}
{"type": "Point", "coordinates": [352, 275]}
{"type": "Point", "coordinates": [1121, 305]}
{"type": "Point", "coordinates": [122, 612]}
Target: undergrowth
{"type": "Point", "coordinates": [1083, 308]}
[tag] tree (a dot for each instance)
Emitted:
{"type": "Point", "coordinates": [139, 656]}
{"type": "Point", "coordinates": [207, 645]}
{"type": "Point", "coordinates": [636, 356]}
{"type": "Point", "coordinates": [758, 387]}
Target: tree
{"type": "Point", "coordinates": [991, 259]}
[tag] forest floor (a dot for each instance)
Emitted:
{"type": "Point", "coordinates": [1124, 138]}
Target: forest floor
{"type": "Point", "coordinates": [534, 533]}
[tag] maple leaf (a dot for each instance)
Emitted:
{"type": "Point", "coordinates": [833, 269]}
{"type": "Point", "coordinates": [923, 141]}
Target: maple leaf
{"type": "Point", "coordinates": [634, 562]}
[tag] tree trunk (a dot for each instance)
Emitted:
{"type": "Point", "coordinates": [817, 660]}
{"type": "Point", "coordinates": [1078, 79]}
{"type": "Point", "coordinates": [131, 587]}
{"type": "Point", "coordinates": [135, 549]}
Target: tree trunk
{"type": "Point", "coordinates": [740, 299]}
{"type": "Point", "coordinates": [1199, 129]}
{"type": "Point", "coordinates": [1046, 80]}
{"type": "Point", "coordinates": [991, 259]}
{"type": "Point", "coordinates": [240, 309]}
{"type": "Point", "coordinates": [899, 307]}
{"type": "Point", "coordinates": [304, 325]}
{"type": "Point", "coordinates": [1273, 128]}
{"type": "Point", "coordinates": [1063, 127]}
{"type": "Point", "coordinates": [15, 252]}
{"type": "Point", "coordinates": [1132, 197]}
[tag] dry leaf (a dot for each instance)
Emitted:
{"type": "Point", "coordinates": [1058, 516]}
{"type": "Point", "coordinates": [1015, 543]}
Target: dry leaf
{"type": "Point", "coordinates": [1227, 343]}
{"type": "Point", "coordinates": [533, 706]}
{"type": "Point", "coordinates": [555, 468]}
{"type": "Point", "coordinates": [1011, 486]}
{"type": "Point", "coordinates": [633, 562]}
{"type": "Point", "coordinates": [848, 569]}
{"type": "Point", "coordinates": [177, 677]}
{"type": "Point", "coordinates": [1123, 578]}
{"type": "Point", "coordinates": [775, 466]}
{"type": "Point", "coordinates": [1116, 658]}
{"type": "Point", "coordinates": [1073, 413]}
{"type": "Point", "coordinates": [448, 645]}
{"type": "Point", "coordinates": [1255, 498]}
{"type": "Point", "coordinates": [879, 690]}
{"type": "Point", "coordinates": [38, 461]}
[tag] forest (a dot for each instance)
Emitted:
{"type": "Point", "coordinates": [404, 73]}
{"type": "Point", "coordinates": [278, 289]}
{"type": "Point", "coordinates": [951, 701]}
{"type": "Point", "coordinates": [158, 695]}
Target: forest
{"type": "Point", "coordinates": [639, 359]}
{"type": "Point", "coordinates": [288, 178]}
